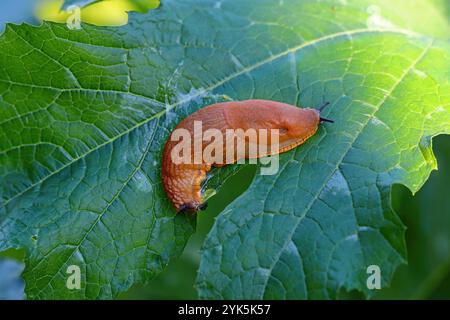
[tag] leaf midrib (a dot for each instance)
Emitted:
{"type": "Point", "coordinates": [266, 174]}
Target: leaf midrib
{"type": "Point", "coordinates": [212, 87]}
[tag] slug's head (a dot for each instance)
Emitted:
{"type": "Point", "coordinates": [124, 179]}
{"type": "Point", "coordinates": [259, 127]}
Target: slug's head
{"type": "Point", "coordinates": [296, 125]}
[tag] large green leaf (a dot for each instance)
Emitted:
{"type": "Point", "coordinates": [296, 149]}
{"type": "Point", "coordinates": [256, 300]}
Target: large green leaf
{"type": "Point", "coordinates": [84, 115]}
{"type": "Point", "coordinates": [315, 227]}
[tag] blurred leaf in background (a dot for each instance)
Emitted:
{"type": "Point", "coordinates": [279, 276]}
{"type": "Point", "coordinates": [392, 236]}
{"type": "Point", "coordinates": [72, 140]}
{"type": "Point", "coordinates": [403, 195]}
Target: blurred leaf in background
{"type": "Point", "coordinates": [11, 285]}
{"type": "Point", "coordinates": [16, 11]}
{"type": "Point", "coordinates": [101, 13]}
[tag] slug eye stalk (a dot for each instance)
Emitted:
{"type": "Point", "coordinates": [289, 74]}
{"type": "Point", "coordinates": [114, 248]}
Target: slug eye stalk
{"type": "Point", "coordinates": [326, 120]}
{"type": "Point", "coordinates": [321, 109]}
{"type": "Point", "coordinates": [324, 106]}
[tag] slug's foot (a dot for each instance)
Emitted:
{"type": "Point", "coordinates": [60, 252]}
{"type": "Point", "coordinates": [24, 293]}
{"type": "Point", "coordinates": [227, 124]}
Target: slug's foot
{"type": "Point", "coordinates": [203, 206]}
{"type": "Point", "coordinates": [192, 207]}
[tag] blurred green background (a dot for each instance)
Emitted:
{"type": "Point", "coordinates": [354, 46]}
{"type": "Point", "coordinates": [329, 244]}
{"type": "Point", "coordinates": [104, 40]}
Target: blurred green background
{"type": "Point", "coordinates": [426, 215]}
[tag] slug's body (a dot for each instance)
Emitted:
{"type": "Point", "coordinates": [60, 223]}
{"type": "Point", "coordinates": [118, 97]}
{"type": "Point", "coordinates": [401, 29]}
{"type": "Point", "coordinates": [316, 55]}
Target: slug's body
{"type": "Point", "coordinates": [183, 182]}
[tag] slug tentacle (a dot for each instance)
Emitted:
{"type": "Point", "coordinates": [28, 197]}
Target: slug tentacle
{"type": "Point", "coordinates": [183, 180]}
{"type": "Point", "coordinates": [326, 120]}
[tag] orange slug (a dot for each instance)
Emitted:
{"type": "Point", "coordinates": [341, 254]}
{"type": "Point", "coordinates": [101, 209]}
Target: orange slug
{"type": "Point", "coordinates": [183, 180]}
